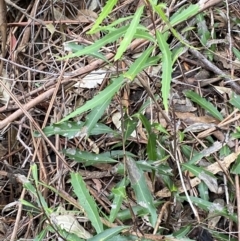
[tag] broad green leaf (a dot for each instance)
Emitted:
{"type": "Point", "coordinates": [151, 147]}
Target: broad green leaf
{"type": "Point", "coordinates": [39, 197]}
{"type": "Point", "coordinates": [151, 146]}
{"type": "Point", "coordinates": [163, 16]}
{"type": "Point", "coordinates": [104, 13]}
{"type": "Point", "coordinates": [99, 99]}
{"type": "Point", "coordinates": [169, 183]}
{"type": "Point", "coordinates": [197, 171]}
{"type": "Point", "coordinates": [129, 126]}
{"type": "Point", "coordinates": [138, 64]}
{"type": "Point", "coordinates": [176, 53]}
{"type": "Point", "coordinates": [28, 204]}
{"type": "Point", "coordinates": [185, 14]}
{"type": "Point", "coordinates": [203, 32]}
{"type": "Point", "coordinates": [110, 27]}
{"type": "Point", "coordinates": [118, 154]}
{"type": "Point", "coordinates": [141, 190]}
{"type": "Point", "coordinates": [166, 68]}
{"type": "Point", "coordinates": [151, 61]}
{"type": "Point", "coordinates": [225, 151]}
{"type": "Point", "coordinates": [215, 208]}
{"type": "Point", "coordinates": [71, 129]}
{"type": "Point", "coordinates": [204, 104]}
{"type": "Point", "coordinates": [95, 115]}
{"type": "Point", "coordinates": [41, 236]}
{"type": "Point", "coordinates": [182, 232]}
{"type": "Point", "coordinates": [87, 158]}
{"type": "Point", "coordinates": [75, 48]}
{"type": "Point", "coordinates": [160, 128]}
{"type": "Point", "coordinates": [196, 157]}
{"type": "Point", "coordinates": [207, 177]}
{"type": "Point", "coordinates": [144, 35]}
{"type": "Point", "coordinates": [109, 38]}
{"type": "Point", "coordinates": [145, 122]}
{"type": "Point", "coordinates": [203, 191]}
{"type": "Point", "coordinates": [35, 173]}
{"type": "Point", "coordinates": [235, 101]}
{"type": "Point", "coordinates": [119, 195]}
{"type": "Point", "coordinates": [132, 28]}
{"type": "Point", "coordinates": [68, 236]}
{"type": "Point", "coordinates": [107, 234]}
{"type": "Point", "coordinates": [236, 52]}
{"type": "Point", "coordinates": [236, 166]}
{"type": "Point", "coordinates": [86, 201]}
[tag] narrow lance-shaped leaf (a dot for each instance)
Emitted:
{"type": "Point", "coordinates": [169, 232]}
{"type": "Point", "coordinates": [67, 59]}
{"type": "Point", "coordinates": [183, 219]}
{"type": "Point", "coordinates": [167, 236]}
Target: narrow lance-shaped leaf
{"type": "Point", "coordinates": [138, 183]}
{"type": "Point", "coordinates": [99, 99]}
{"type": "Point", "coordinates": [86, 201]}
{"type": "Point", "coordinates": [104, 13]}
{"type": "Point", "coordinates": [166, 68]}
{"type": "Point", "coordinates": [109, 38]}
{"type": "Point", "coordinates": [163, 16]}
{"type": "Point", "coordinates": [95, 115]}
{"type": "Point", "coordinates": [235, 101]}
{"type": "Point", "coordinates": [75, 48]}
{"type": "Point", "coordinates": [204, 104]}
{"type": "Point", "coordinates": [71, 129]}
{"type": "Point", "coordinates": [129, 33]}
{"type": "Point", "coordinates": [177, 18]}
{"type": "Point", "coordinates": [138, 65]}
{"type": "Point", "coordinates": [107, 234]}
{"type": "Point", "coordinates": [119, 193]}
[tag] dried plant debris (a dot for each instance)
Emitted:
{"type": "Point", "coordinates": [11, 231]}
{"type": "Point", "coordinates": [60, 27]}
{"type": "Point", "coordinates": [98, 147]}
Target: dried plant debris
{"type": "Point", "coordinates": [119, 120]}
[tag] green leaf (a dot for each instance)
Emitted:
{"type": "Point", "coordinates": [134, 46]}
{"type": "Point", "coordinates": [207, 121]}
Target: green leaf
{"type": "Point", "coordinates": [185, 14]}
{"type": "Point", "coordinates": [28, 204]}
{"type": "Point", "coordinates": [235, 101]}
{"type": "Point", "coordinates": [104, 13]}
{"type": "Point", "coordinates": [144, 35]}
{"type": "Point", "coordinates": [160, 128]}
{"type": "Point", "coordinates": [236, 166]}
{"type": "Point", "coordinates": [99, 99]}
{"type": "Point", "coordinates": [138, 64]}
{"type": "Point", "coordinates": [215, 208]}
{"type": "Point", "coordinates": [166, 68]}
{"type": "Point", "coordinates": [35, 173]}
{"type": "Point", "coordinates": [71, 129]}
{"type": "Point", "coordinates": [41, 236]}
{"type": "Point", "coordinates": [75, 48]}
{"type": "Point", "coordinates": [163, 16]}
{"type": "Point", "coordinates": [203, 191]}
{"type": "Point", "coordinates": [87, 158]}
{"type": "Point", "coordinates": [86, 201]}
{"type": "Point", "coordinates": [109, 38]}
{"type": "Point", "coordinates": [236, 52]}
{"type": "Point", "coordinates": [107, 234]}
{"type": "Point", "coordinates": [132, 28]}
{"type": "Point", "coordinates": [95, 115]}
{"type": "Point", "coordinates": [129, 126]}
{"type": "Point", "coordinates": [145, 122]}
{"type": "Point", "coordinates": [182, 232]}
{"type": "Point", "coordinates": [151, 147]}
{"type": "Point", "coordinates": [204, 104]}
{"type": "Point", "coordinates": [141, 190]}
{"type": "Point", "coordinates": [169, 183]}
{"type": "Point", "coordinates": [119, 195]}
{"type": "Point", "coordinates": [202, 29]}
{"type": "Point", "coordinates": [111, 26]}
